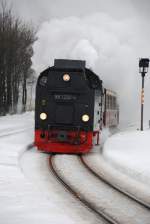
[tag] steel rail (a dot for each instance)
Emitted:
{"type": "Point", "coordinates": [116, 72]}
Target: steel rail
{"type": "Point", "coordinates": [112, 185]}
{"type": "Point", "coordinates": [78, 196]}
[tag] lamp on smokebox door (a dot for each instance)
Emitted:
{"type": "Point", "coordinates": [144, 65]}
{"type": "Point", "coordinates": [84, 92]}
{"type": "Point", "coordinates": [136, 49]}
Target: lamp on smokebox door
{"type": "Point", "coordinates": [143, 69]}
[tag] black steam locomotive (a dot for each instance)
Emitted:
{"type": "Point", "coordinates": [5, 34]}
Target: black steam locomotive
{"type": "Point", "coordinates": [71, 108]}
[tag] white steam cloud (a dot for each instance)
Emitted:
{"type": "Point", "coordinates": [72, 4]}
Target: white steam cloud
{"type": "Point", "coordinates": [110, 47]}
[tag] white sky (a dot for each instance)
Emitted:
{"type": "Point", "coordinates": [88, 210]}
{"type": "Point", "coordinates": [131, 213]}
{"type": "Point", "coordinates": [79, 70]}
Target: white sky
{"type": "Point", "coordinates": [37, 10]}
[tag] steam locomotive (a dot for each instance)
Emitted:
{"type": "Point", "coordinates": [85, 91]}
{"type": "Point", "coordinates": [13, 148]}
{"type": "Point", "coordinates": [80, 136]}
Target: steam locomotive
{"type": "Point", "coordinates": [71, 108]}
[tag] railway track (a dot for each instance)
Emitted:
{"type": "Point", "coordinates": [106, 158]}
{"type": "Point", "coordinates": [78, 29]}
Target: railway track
{"type": "Point", "coordinates": [121, 190]}
{"type": "Point", "coordinates": [78, 196]}
{"type": "Point", "coordinates": [106, 201]}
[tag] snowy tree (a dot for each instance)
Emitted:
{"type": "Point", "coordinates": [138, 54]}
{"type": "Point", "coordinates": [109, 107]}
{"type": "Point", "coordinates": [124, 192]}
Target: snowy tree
{"type": "Point", "coordinates": [16, 39]}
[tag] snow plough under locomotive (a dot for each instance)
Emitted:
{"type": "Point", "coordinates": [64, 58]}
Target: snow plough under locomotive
{"type": "Point", "coordinates": [71, 108]}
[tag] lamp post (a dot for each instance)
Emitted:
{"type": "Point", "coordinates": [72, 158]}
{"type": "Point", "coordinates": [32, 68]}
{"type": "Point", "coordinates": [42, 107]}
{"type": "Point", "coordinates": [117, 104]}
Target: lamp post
{"type": "Point", "coordinates": [143, 69]}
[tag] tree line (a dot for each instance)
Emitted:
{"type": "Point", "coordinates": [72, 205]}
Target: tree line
{"type": "Point", "coordinates": [16, 39]}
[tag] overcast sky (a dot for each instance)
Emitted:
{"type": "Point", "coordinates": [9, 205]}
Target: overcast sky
{"type": "Point", "coordinates": [37, 10]}
{"type": "Point", "coordinates": [111, 35]}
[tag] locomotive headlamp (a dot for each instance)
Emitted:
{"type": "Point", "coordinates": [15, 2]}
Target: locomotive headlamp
{"type": "Point", "coordinates": [66, 77]}
{"type": "Point", "coordinates": [85, 118]}
{"type": "Point", "coordinates": [43, 116]}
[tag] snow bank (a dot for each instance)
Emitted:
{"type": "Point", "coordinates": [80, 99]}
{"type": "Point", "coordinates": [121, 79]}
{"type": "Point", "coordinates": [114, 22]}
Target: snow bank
{"type": "Point", "coordinates": [118, 179]}
{"type": "Point", "coordinates": [130, 152]}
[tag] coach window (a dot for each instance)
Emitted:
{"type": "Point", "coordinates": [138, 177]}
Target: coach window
{"type": "Point", "coordinates": [107, 101]}
{"type": "Point", "coordinates": [114, 102]}
{"type": "Point", "coordinates": [110, 102]}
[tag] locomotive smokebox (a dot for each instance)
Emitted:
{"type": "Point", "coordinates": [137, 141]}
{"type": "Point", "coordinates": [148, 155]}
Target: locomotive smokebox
{"type": "Point", "coordinates": [64, 114]}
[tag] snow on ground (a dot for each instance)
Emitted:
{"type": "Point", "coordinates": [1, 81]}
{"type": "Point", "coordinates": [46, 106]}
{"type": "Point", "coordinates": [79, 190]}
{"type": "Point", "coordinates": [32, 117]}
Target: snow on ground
{"type": "Point", "coordinates": [28, 193]}
{"type": "Point", "coordinates": [105, 198]}
{"type": "Point", "coordinates": [12, 123]}
{"type": "Point", "coordinates": [122, 181]}
{"type": "Point", "coordinates": [129, 152]}
{"type": "Point", "coordinates": [39, 173]}
{"type": "Point", "coordinates": [21, 202]}
{"type": "Point", "coordinates": [124, 160]}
